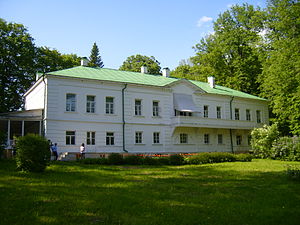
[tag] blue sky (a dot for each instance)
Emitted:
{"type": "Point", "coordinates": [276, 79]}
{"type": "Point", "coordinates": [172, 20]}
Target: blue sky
{"type": "Point", "coordinates": [164, 29]}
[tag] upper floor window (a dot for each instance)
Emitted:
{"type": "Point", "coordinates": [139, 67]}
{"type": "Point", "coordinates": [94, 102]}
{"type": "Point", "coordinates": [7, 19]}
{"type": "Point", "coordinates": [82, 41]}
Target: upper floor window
{"type": "Point", "coordinates": [220, 139]}
{"type": "Point", "coordinates": [138, 107]}
{"type": "Point", "coordinates": [183, 138]}
{"type": "Point", "coordinates": [238, 140]}
{"type": "Point", "coordinates": [110, 138]}
{"type": "Point", "coordinates": [236, 114]}
{"type": "Point", "coordinates": [70, 137]}
{"type": "Point", "coordinates": [219, 112]}
{"type": "Point", "coordinates": [155, 108]}
{"type": "Point", "coordinates": [206, 138]}
{"type": "Point", "coordinates": [90, 104]}
{"type": "Point", "coordinates": [138, 137]}
{"type": "Point", "coordinates": [156, 138]}
{"type": "Point", "coordinates": [258, 116]}
{"type": "Point", "coordinates": [70, 102]}
{"type": "Point", "coordinates": [109, 105]}
{"type": "Point", "coordinates": [90, 138]}
{"type": "Point", "coordinates": [181, 113]}
{"type": "Point", "coordinates": [248, 115]}
{"type": "Point", "coordinates": [205, 111]}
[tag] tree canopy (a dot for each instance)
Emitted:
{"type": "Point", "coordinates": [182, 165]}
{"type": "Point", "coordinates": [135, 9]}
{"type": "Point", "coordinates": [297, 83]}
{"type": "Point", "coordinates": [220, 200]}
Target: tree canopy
{"type": "Point", "coordinates": [135, 62]}
{"type": "Point", "coordinates": [95, 58]}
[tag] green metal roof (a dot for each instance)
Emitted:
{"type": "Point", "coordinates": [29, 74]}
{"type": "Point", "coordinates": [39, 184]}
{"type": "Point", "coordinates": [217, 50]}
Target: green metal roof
{"type": "Point", "coordinates": [104, 74]}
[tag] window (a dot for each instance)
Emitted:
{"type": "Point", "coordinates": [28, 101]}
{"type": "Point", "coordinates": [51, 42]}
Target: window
{"type": "Point", "coordinates": [138, 107]}
{"type": "Point", "coordinates": [206, 138]}
{"type": "Point", "coordinates": [138, 137]}
{"type": "Point", "coordinates": [236, 114]}
{"type": "Point", "coordinates": [248, 115]}
{"type": "Point", "coordinates": [205, 108]}
{"type": "Point", "coordinates": [90, 104]}
{"type": "Point", "coordinates": [238, 140]}
{"type": "Point", "coordinates": [156, 137]}
{"type": "Point", "coordinates": [109, 105]}
{"type": "Point", "coordinates": [249, 139]}
{"type": "Point", "coordinates": [155, 108]}
{"type": "Point", "coordinates": [180, 113]}
{"type": "Point", "coordinates": [183, 138]}
{"type": "Point", "coordinates": [90, 138]}
{"type": "Point", "coordinates": [219, 112]}
{"type": "Point", "coordinates": [110, 138]}
{"type": "Point", "coordinates": [70, 102]}
{"type": "Point", "coordinates": [220, 139]}
{"type": "Point", "coordinates": [70, 137]}
{"type": "Point", "coordinates": [258, 116]}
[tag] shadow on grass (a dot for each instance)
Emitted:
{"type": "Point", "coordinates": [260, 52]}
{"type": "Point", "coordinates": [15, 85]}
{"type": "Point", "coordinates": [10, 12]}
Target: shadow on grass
{"type": "Point", "coordinates": [74, 193]}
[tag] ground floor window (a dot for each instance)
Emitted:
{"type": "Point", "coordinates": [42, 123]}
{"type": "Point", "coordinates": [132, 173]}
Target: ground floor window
{"type": "Point", "coordinates": [70, 137]}
{"type": "Point", "coordinates": [220, 139]}
{"type": "Point", "coordinates": [183, 138]}
{"type": "Point", "coordinates": [110, 138]}
{"type": "Point", "coordinates": [238, 140]}
{"type": "Point", "coordinates": [138, 137]}
{"type": "Point", "coordinates": [249, 139]}
{"type": "Point", "coordinates": [156, 138]}
{"type": "Point", "coordinates": [206, 138]}
{"type": "Point", "coordinates": [90, 138]}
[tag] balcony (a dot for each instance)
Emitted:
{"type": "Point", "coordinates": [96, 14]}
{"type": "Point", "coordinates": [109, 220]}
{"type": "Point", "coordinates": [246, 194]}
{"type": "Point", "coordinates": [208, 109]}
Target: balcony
{"type": "Point", "coordinates": [198, 121]}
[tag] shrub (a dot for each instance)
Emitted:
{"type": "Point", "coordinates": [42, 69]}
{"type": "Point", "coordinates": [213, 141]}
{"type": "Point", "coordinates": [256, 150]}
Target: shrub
{"type": "Point", "coordinates": [162, 160]}
{"type": "Point", "coordinates": [293, 172]}
{"type": "Point", "coordinates": [115, 159]}
{"type": "Point", "coordinates": [214, 157]}
{"type": "Point", "coordinates": [262, 140]}
{"type": "Point", "coordinates": [133, 160]}
{"type": "Point", "coordinates": [243, 157]}
{"type": "Point", "coordinates": [33, 153]}
{"type": "Point", "coordinates": [150, 161]}
{"type": "Point", "coordinates": [286, 148]}
{"type": "Point", "coordinates": [2, 143]}
{"type": "Point", "coordinates": [100, 161]}
{"type": "Point", "coordinates": [176, 159]}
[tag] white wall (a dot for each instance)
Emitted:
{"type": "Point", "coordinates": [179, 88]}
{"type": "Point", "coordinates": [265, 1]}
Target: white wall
{"type": "Point", "coordinates": [34, 98]}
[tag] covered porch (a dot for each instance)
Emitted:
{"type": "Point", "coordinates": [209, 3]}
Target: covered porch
{"type": "Point", "coordinates": [20, 123]}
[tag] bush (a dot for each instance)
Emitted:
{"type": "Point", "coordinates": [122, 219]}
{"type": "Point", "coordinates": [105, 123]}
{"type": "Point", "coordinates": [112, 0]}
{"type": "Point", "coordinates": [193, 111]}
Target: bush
{"type": "Point", "coordinates": [2, 143]}
{"type": "Point", "coordinates": [133, 160]}
{"type": "Point", "coordinates": [115, 159]}
{"type": "Point", "coordinates": [162, 160]}
{"type": "Point", "coordinates": [176, 159]}
{"type": "Point", "coordinates": [214, 157]}
{"type": "Point", "coordinates": [100, 161]}
{"type": "Point", "coordinates": [33, 153]}
{"type": "Point", "coordinates": [262, 140]}
{"type": "Point", "coordinates": [243, 157]}
{"type": "Point", "coordinates": [286, 148]}
{"type": "Point", "coordinates": [150, 161]}
{"type": "Point", "coordinates": [293, 172]}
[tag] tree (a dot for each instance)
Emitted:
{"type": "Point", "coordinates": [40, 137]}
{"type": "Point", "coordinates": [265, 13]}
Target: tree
{"type": "Point", "coordinates": [135, 62]}
{"type": "Point", "coordinates": [52, 60]}
{"type": "Point", "coordinates": [95, 58]}
{"type": "Point", "coordinates": [232, 52]}
{"type": "Point", "coordinates": [17, 55]}
{"type": "Point", "coordinates": [280, 80]}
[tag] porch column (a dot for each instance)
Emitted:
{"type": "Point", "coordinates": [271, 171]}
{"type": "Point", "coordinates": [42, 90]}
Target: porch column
{"type": "Point", "coordinates": [40, 128]}
{"type": "Point", "coordinates": [8, 132]}
{"type": "Point", "coordinates": [23, 128]}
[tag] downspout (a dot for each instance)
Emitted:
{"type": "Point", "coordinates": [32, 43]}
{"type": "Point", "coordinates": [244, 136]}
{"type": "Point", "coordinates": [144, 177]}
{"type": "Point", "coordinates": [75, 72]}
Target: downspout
{"type": "Point", "coordinates": [230, 130]}
{"type": "Point", "coordinates": [43, 112]}
{"type": "Point", "coordinates": [123, 117]}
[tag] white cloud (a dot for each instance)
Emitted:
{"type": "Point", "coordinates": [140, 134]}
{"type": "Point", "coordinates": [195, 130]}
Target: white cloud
{"type": "Point", "coordinates": [203, 20]}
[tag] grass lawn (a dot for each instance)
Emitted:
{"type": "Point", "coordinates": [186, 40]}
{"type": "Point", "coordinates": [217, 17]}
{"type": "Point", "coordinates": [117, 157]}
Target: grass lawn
{"type": "Point", "coordinates": [241, 193]}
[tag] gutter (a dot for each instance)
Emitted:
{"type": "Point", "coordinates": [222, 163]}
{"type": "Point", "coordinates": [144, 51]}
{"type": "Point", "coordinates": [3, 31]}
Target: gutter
{"type": "Point", "coordinates": [230, 130]}
{"type": "Point", "coordinates": [123, 117]}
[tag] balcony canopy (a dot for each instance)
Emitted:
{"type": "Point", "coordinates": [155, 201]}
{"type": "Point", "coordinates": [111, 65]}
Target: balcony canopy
{"type": "Point", "coordinates": [184, 103]}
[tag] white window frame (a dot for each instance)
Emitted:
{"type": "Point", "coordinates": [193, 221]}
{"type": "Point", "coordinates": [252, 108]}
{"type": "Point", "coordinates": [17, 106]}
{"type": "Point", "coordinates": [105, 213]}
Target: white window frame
{"type": "Point", "coordinates": [90, 104]}
{"type": "Point", "coordinates": [205, 111]}
{"type": "Point", "coordinates": [109, 105]}
{"type": "Point", "coordinates": [237, 114]}
{"type": "Point", "coordinates": [220, 139]}
{"type": "Point", "coordinates": [70, 102]}
{"type": "Point", "coordinates": [156, 137]}
{"type": "Point", "coordinates": [70, 137]}
{"type": "Point", "coordinates": [155, 108]}
{"type": "Point", "coordinates": [258, 116]}
{"type": "Point", "coordinates": [110, 139]}
{"type": "Point", "coordinates": [137, 107]}
{"type": "Point", "coordinates": [248, 114]}
{"type": "Point", "coordinates": [138, 137]}
{"type": "Point", "coordinates": [90, 138]}
{"type": "Point", "coordinates": [206, 139]}
{"type": "Point", "coordinates": [219, 112]}
{"type": "Point", "coordinates": [238, 140]}
{"type": "Point", "coordinates": [183, 138]}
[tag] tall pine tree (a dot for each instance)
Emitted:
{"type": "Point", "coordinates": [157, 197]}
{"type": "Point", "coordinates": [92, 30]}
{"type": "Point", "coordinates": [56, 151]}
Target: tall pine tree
{"type": "Point", "coordinates": [95, 58]}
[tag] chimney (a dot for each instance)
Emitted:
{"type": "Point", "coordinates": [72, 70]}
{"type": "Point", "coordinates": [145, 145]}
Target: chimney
{"type": "Point", "coordinates": [84, 61]}
{"type": "Point", "coordinates": [211, 82]}
{"type": "Point", "coordinates": [144, 69]}
{"type": "Point", "coordinates": [166, 72]}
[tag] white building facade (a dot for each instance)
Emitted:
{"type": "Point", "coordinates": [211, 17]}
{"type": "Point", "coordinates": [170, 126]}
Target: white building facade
{"type": "Point", "coordinates": [118, 111]}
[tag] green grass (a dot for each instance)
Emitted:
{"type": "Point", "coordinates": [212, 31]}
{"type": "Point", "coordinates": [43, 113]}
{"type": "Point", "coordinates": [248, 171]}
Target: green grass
{"type": "Point", "coordinates": [241, 193]}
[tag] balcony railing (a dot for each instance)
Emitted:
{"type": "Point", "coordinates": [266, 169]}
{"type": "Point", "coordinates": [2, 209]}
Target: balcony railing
{"type": "Point", "coordinates": [198, 121]}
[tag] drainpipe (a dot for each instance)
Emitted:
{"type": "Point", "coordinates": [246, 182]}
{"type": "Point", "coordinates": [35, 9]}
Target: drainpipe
{"type": "Point", "coordinates": [43, 112]}
{"type": "Point", "coordinates": [230, 130]}
{"type": "Point", "coordinates": [123, 117]}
